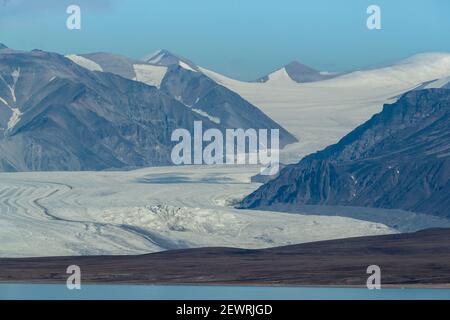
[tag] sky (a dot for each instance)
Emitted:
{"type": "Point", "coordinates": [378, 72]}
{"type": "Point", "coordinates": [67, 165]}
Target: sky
{"type": "Point", "coordinates": [244, 39]}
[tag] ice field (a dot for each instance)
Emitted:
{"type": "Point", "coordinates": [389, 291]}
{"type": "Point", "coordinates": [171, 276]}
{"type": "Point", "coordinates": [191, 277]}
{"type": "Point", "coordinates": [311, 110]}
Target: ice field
{"type": "Point", "coordinates": [148, 210]}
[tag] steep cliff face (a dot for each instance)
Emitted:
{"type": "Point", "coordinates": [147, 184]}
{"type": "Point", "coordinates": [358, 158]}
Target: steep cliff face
{"type": "Point", "coordinates": [400, 159]}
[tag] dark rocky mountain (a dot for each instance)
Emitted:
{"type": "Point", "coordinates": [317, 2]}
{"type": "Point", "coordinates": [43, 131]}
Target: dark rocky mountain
{"type": "Point", "coordinates": [413, 259]}
{"type": "Point", "coordinates": [56, 115]}
{"type": "Point", "coordinates": [301, 73]}
{"type": "Point", "coordinates": [399, 159]}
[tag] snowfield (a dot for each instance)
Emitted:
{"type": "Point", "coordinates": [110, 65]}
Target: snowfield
{"type": "Point", "coordinates": [149, 210]}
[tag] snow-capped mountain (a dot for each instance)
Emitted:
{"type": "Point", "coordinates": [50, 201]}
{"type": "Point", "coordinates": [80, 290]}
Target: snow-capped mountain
{"type": "Point", "coordinates": [2, 46]}
{"type": "Point", "coordinates": [192, 88]}
{"type": "Point", "coordinates": [165, 58]}
{"type": "Point", "coordinates": [122, 66]}
{"type": "Point", "coordinates": [439, 83]}
{"type": "Point", "coordinates": [399, 159]}
{"type": "Point", "coordinates": [297, 72]}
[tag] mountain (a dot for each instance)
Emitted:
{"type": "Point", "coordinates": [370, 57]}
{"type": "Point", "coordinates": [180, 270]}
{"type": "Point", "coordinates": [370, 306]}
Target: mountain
{"type": "Point", "coordinates": [192, 88]}
{"type": "Point", "coordinates": [56, 115]}
{"type": "Point", "coordinates": [399, 159]}
{"type": "Point", "coordinates": [165, 58]}
{"type": "Point", "coordinates": [341, 262]}
{"type": "Point", "coordinates": [204, 95]}
{"type": "Point", "coordinates": [443, 83]}
{"type": "Point", "coordinates": [2, 46]}
{"type": "Point", "coordinates": [300, 73]}
{"type": "Point", "coordinates": [122, 66]}
{"type": "Point", "coordinates": [321, 113]}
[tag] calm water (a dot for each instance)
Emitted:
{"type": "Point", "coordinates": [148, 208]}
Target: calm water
{"type": "Point", "coordinates": [26, 291]}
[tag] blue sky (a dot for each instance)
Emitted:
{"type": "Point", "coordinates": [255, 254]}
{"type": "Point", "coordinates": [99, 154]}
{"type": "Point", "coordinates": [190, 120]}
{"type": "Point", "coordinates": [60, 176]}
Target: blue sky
{"type": "Point", "coordinates": [241, 38]}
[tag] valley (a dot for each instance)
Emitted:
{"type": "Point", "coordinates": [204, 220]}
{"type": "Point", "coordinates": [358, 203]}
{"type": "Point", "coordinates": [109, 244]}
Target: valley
{"type": "Point", "coordinates": [150, 210]}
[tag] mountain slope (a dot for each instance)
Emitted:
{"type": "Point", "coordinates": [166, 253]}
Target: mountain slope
{"type": "Point", "coordinates": [321, 113]}
{"type": "Point", "coordinates": [165, 58]}
{"type": "Point", "coordinates": [56, 115]}
{"type": "Point", "coordinates": [399, 159]}
{"type": "Point", "coordinates": [189, 86]}
{"type": "Point", "coordinates": [220, 104]}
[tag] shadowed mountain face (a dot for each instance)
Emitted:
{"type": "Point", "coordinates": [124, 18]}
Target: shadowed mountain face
{"type": "Point", "coordinates": [56, 115]}
{"type": "Point", "coordinates": [201, 93]}
{"type": "Point", "coordinates": [399, 159]}
{"type": "Point", "coordinates": [2, 46]}
{"type": "Point", "coordinates": [165, 58]}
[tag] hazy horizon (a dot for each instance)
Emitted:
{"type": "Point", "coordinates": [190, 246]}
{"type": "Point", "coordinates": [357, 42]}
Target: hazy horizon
{"type": "Point", "coordinates": [243, 40]}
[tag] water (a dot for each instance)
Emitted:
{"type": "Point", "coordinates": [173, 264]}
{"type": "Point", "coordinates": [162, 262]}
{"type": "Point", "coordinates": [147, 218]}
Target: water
{"type": "Point", "coordinates": [146, 292]}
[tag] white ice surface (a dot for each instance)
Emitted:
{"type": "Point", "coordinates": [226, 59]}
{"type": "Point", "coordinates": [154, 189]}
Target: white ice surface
{"type": "Point", "coordinates": [155, 57]}
{"type": "Point", "coordinates": [205, 114]}
{"type": "Point", "coordinates": [185, 66]}
{"type": "Point", "coordinates": [148, 210]}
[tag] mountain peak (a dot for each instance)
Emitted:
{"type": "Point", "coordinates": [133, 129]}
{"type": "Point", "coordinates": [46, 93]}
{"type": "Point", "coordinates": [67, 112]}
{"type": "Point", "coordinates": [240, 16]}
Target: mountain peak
{"type": "Point", "coordinates": [2, 46]}
{"type": "Point", "coordinates": [295, 65]}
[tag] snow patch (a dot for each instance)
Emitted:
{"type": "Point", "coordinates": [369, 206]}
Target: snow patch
{"type": "Point", "coordinates": [205, 114]}
{"type": "Point", "coordinates": [85, 63]}
{"type": "Point", "coordinates": [4, 101]}
{"type": "Point", "coordinates": [155, 58]}
{"type": "Point", "coordinates": [15, 118]}
{"type": "Point", "coordinates": [321, 113]}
